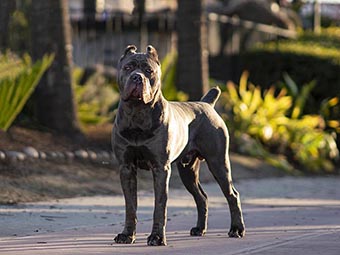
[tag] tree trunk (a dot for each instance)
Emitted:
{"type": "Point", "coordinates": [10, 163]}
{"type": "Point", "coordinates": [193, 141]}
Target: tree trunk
{"type": "Point", "coordinates": [192, 67]}
{"type": "Point", "coordinates": [90, 10]}
{"type": "Point", "coordinates": [6, 9]}
{"type": "Point", "coordinates": [51, 33]}
{"type": "Point", "coordinates": [139, 14]}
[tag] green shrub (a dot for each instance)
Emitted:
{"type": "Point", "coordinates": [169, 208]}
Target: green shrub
{"type": "Point", "coordinates": [18, 79]}
{"type": "Point", "coordinates": [310, 57]}
{"type": "Point", "coordinates": [11, 65]}
{"type": "Point", "coordinates": [300, 97]}
{"type": "Point", "coordinates": [270, 124]}
{"type": "Point", "coordinates": [168, 67]}
{"type": "Point", "coordinates": [329, 37]}
{"type": "Point", "coordinates": [96, 99]}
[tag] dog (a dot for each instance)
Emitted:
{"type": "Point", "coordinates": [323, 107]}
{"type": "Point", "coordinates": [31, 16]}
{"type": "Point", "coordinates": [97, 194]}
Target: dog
{"type": "Point", "coordinates": [150, 133]}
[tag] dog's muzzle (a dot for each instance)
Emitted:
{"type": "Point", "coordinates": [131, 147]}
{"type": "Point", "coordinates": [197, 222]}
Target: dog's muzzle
{"type": "Point", "coordinates": [134, 88]}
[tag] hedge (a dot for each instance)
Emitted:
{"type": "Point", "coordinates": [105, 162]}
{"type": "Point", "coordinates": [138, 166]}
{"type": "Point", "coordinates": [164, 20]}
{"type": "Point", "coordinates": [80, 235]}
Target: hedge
{"type": "Point", "coordinates": [310, 57]}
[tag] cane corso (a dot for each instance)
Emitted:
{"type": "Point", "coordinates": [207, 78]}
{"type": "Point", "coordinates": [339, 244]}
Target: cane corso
{"type": "Point", "coordinates": [150, 133]}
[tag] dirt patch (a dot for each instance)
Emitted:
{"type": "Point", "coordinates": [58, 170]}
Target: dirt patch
{"type": "Point", "coordinates": [34, 180]}
{"type": "Point", "coordinates": [41, 180]}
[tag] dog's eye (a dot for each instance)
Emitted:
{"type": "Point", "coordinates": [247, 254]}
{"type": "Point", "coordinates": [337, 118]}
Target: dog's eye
{"type": "Point", "coordinates": [149, 70]}
{"type": "Point", "coordinates": [127, 68]}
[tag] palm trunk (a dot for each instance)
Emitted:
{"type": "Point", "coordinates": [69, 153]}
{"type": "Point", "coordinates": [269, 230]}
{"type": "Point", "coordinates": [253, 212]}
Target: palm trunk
{"type": "Point", "coordinates": [139, 15]}
{"type": "Point", "coordinates": [192, 68]}
{"type": "Point", "coordinates": [51, 33]}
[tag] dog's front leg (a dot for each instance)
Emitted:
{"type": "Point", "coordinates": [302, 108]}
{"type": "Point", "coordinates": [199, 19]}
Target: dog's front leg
{"type": "Point", "coordinates": [128, 179]}
{"type": "Point", "coordinates": [161, 185]}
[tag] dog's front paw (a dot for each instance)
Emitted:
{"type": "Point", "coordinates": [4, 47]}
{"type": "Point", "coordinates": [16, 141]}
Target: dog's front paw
{"type": "Point", "coordinates": [156, 240]}
{"type": "Point", "coordinates": [236, 231]}
{"type": "Point", "coordinates": [196, 231]}
{"type": "Point", "coordinates": [123, 238]}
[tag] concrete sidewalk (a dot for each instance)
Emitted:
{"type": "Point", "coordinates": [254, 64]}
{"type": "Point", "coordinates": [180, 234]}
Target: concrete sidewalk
{"type": "Point", "coordinates": [282, 215]}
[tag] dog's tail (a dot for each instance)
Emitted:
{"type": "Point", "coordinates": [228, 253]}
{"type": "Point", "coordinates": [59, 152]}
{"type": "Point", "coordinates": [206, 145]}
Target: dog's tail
{"type": "Point", "coordinates": [212, 96]}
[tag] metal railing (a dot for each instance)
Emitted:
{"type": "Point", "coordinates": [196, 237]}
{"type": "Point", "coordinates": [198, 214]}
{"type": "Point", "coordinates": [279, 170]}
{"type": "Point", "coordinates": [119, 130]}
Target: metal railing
{"type": "Point", "coordinates": [236, 21]}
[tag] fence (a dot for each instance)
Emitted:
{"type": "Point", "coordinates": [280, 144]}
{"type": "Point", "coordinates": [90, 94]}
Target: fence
{"type": "Point", "coordinates": [230, 36]}
{"type": "Point", "coordinates": [243, 33]}
{"type": "Point", "coordinates": [103, 42]}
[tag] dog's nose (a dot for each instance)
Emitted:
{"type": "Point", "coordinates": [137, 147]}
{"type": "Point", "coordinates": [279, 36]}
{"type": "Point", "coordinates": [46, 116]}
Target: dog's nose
{"type": "Point", "coordinates": [137, 78]}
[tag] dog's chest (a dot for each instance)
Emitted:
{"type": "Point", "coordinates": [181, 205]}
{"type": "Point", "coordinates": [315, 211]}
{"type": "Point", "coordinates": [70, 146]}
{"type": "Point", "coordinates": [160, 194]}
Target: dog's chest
{"type": "Point", "coordinates": [136, 135]}
{"type": "Point", "coordinates": [141, 157]}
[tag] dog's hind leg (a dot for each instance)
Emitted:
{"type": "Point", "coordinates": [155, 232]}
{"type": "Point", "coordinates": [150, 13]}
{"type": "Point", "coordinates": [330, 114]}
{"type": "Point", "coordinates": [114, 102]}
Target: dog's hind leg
{"type": "Point", "coordinates": [189, 174]}
{"type": "Point", "coordinates": [220, 168]}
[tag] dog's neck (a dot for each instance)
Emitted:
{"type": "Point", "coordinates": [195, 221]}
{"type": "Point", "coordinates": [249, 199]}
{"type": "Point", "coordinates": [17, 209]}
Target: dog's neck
{"type": "Point", "coordinates": [135, 115]}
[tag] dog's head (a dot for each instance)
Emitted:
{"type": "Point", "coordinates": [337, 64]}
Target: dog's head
{"type": "Point", "coordinates": [139, 75]}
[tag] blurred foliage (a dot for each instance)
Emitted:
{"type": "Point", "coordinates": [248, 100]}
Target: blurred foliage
{"type": "Point", "coordinates": [300, 96]}
{"type": "Point", "coordinates": [310, 57]}
{"type": "Point", "coordinates": [271, 124]}
{"type": "Point", "coordinates": [328, 38]}
{"type": "Point", "coordinates": [18, 79]}
{"type": "Point", "coordinates": [19, 28]}
{"type": "Point", "coordinates": [325, 45]}
{"type": "Point", "coordinates": [96, 99]}
{"type": "Point", "coordinates": [168, 67]}
{"type": "Point", "coordinates": [11, 65]}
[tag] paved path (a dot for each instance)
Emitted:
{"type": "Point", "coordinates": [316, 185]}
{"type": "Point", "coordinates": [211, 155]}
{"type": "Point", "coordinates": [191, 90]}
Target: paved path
{"type": "Point", "coordinates": [282, 215]}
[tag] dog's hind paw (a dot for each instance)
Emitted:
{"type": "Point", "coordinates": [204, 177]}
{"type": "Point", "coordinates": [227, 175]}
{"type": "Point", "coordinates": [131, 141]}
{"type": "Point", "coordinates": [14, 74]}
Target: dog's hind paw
{"type": "Point", "coordinates": [236, 232]}
{"type": "Point", "coordinates": [156, 240]}
{"type": "Point", "coordinates": [196, 231]}
{"type": "Point", "coordinates": [123, 238]}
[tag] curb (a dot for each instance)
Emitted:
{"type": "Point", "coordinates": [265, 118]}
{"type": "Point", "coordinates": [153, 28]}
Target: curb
{"type": "Point", "coordinates": [85, 156]}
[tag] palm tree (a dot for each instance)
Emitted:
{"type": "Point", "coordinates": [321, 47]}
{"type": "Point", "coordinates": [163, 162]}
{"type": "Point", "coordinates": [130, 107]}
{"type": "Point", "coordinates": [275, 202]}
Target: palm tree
{"type": "Point", "coordinates": [51, 33]}
{"type": "Point", "coordinates": [192, 67]}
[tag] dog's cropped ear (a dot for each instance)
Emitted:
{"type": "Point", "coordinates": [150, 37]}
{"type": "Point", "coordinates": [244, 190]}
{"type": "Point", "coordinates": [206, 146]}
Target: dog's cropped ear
{"type": "Point", "coordinates": [130, 49]}
{"type": "Point", "coordinates": [152, 53]}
